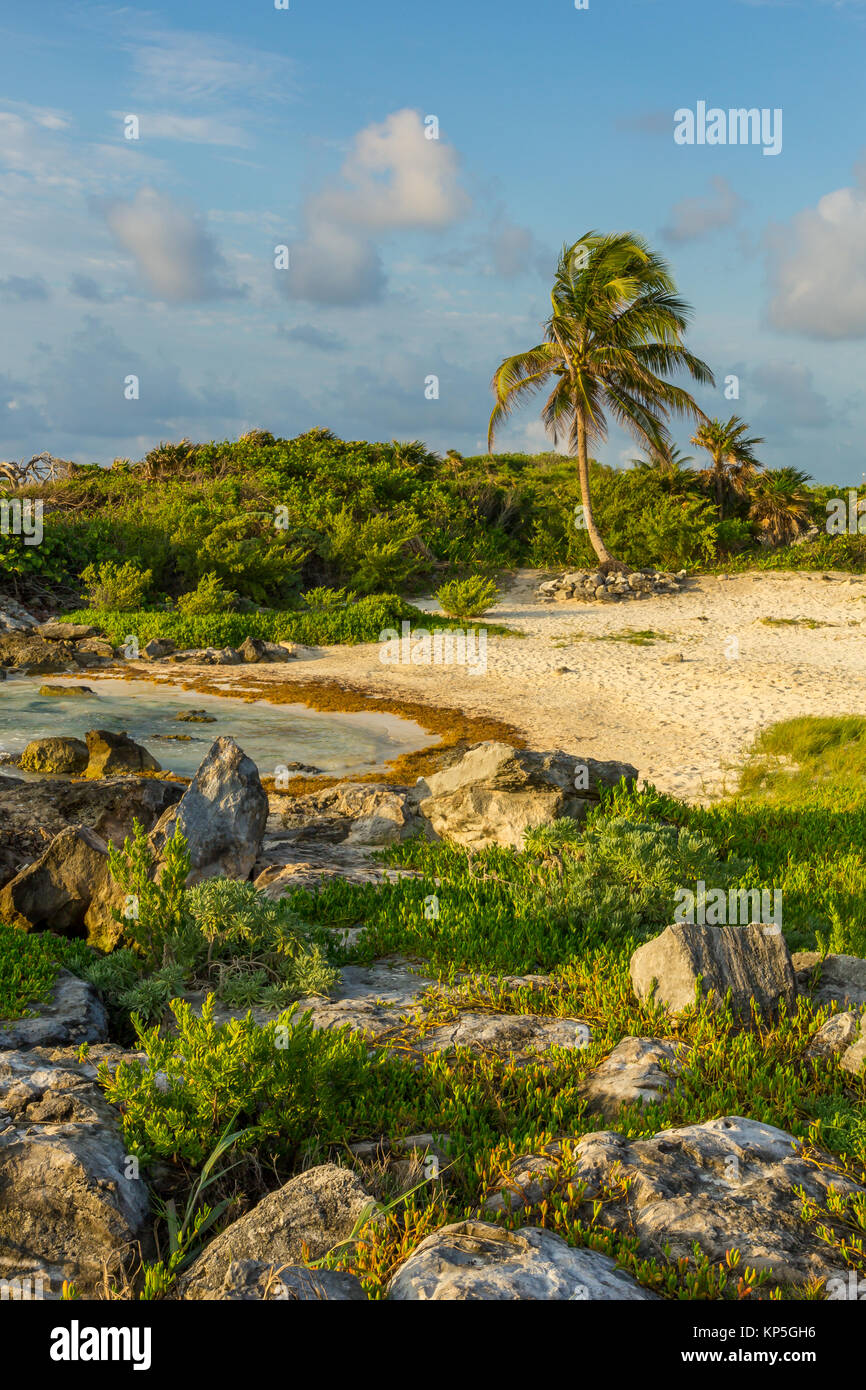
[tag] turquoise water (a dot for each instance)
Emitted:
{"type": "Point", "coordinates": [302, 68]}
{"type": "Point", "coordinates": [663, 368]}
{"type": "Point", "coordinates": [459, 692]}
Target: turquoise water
{"type": "Point", "coordinates": [272, 735]}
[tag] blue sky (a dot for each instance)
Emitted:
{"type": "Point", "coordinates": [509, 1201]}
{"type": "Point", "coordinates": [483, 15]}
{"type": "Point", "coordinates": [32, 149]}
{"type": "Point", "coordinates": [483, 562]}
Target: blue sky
{"type": "Point", "coordinates": [409, 257]}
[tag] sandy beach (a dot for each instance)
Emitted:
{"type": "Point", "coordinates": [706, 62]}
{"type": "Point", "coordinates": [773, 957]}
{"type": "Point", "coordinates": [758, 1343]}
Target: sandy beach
{"type": "Point", "coordinates": [683, 723]}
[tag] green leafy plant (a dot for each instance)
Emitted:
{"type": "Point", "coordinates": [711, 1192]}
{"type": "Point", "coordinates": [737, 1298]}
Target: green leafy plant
{"type": "Point", "coordinates": [467, 598]}
{"type": "Point", "coordinates": [153, 918]}
{"type": "Point", "coordinates": [209, 596]}
{"type": "Point", "coordinates": [111, 585]}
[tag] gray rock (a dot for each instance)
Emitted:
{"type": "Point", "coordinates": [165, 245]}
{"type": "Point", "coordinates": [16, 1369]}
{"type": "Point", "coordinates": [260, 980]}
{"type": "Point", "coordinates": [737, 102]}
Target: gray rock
{"type": "Point", "coordinates": [14, 617]}
{"type": "Point", "coordinates": [521, 1038]}
{"type": "Point", "coordinates": [752, 961]}
{"type": "Point", "coordinates": [157, 648]}
{"type": "Point", "coordinates": [495, 792]}
{"type": "Point", "coordinates": [223, 813]}
{"type": "Point", "coordinates": [73, 1014]}
{"type": "Point", "coordinates": [57, 631]}
{"type": "Point", "coordinates": [55, 892]}
{"type": "Point", "coordinates": [633, 1074]}
{"type": "Point", "coordinates": [257, 1281]}
{"type": "Point", "coordinates": [728, 1184]}
{"type": "Point", "coordinates": [319, 1208]}
{"type": "Point", "coordinates": [853, 1057]}
{"type": "Point", "coordinates": [473, 1261]}
{"type": "Point", "coordinates": [831, 980]}
{"type": "Point", "coordinates": [70, 1207]}
{"type": "Point", "coordinates": [837, 1034]}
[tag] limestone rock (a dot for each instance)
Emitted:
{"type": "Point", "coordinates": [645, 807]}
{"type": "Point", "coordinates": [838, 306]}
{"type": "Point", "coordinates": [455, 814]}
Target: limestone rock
{"type": "Point", "coordinates": [475, 1260]}
{"type": "Point", "coordinates": [495, 792]}
{"type": "Point", "coordinates": [157, 648]}
{"type": "Point", "coordinates": [752, 961]}
{"type": "Point", "coordinates": [68, 1207]}
{"type": "Point", "coordinates": [112, 753]}
{"type": "Point", "coordinates": [833, 979]}
{"type": "Point", "coordinates": [727, 1184]}
{"type": "Point", "coordinates": [55, 892]}
{"type": "Point", "coordinates": [22, 651]}
{"type": "Point", "coordinates": [61, 755]}
{"type": "Point", "coordinates": [31, 813]}
{"type": "Point", "coordinates": [223, 812]}
{"type": "Point", "coordinates": [638, 1071]}
{"type": "Point", "coordinates": [73, 1014]}
{"type": "Point", "coordinates": [57, 631]}
{"type": "Point", "coordinates": [257, 1281]}
{"type": "Point", "coordinates": [836, 1035]}
{"type": "Point", "coordinates": [319, 1208]}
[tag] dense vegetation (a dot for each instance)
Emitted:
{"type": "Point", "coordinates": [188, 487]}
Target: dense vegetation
{"type": "Point", "coordinates": [269, 521]}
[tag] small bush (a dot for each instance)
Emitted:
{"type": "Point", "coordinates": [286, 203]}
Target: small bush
{"type": "Point", "coordinates": [111, 585]}
{"type": "Point", "coordinates": [209, 596]}
{"type": "Point", "coordinates": [467, 598]}
{"type": "Point", "coordinates": [29, 965]}
{"type": "Point", "coordinates": [323, 600]}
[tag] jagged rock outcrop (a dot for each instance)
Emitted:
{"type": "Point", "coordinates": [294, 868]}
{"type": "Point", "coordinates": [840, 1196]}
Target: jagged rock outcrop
{"type": "Point", "coordinates": [223, 813]}
{"type": "Point", "coordinates": [73, 1014]}
{"type": "Point", "coordinates": [71, 1203]}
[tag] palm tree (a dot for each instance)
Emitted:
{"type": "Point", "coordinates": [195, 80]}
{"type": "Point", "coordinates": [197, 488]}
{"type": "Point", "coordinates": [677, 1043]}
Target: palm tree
{"type": "Point", "coordinates": [670, 463]}
{"type": "Point", "coordinates": [614, 333]}
{"type": "Point", "coordinates": [734, 464]}
{"type": "Point", "coordinates": [779, 505]}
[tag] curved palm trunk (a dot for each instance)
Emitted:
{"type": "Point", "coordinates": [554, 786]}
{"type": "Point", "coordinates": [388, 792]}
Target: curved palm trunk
{"type": "Point", "coordinates": [720, 489]}
{"type": "Point", "coordinates": [595, 538]}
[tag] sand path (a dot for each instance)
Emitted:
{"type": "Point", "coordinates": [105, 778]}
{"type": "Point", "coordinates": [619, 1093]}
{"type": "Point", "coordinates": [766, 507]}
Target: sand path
{"type": "Point", "coordinates": [683, 724]}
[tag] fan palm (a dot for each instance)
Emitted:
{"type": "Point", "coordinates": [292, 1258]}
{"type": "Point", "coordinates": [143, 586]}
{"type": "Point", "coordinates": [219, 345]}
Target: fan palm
{"type": "Point", "coordinates": [615, 332]}
{"type": "Point", "coordinates": [780, 506]}
{"type": "Point", "coordinates": [734, 464]}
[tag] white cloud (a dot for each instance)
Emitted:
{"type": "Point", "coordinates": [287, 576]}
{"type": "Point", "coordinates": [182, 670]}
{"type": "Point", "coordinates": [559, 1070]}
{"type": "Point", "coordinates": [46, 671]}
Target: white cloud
{"type": "Point", "coordinates": [171, 246]}
{"type": "Point", "coordinates": [393, 179]}
{"type": "Point", "coordinates": [695, 217]}
{"type": "Point", "coordinates": [817, 268]}
{"type": "Point", "coordinates": [193, 130]}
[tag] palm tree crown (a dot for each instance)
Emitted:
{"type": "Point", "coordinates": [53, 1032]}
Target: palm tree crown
{"type": "Point", "coordinates": [614, 334]}
{"type": "Point", "coordinates": [734, 464]}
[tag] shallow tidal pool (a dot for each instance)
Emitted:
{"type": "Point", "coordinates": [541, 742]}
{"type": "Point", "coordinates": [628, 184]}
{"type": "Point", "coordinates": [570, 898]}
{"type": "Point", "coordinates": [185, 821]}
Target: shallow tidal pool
{"type": "Point", "coordinates": [272, 735]}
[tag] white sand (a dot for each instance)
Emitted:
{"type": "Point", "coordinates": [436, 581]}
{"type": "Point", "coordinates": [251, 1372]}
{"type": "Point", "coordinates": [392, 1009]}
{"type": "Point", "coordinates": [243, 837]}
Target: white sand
{"type": "Point", "coordinates": [685, 725]}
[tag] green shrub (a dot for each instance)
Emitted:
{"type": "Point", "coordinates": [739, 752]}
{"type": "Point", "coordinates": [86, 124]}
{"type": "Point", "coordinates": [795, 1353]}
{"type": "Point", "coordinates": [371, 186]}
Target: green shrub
{"type": "Point", "coordinates": [467, 598]}
{"type": "Point", "coordinates": [153, 918]}
{"type": "Point", "coordinates": [359, 622]}
{"type": "Point", "coordinates": [323, 600]}
{"type": "Point", "coordinates": [282, 1085]}
{"type": "Point", "coordinates": [209, 596]}
{"type": "Point", "coordinates": [109, 585]}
